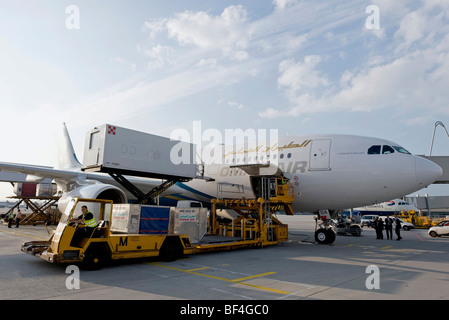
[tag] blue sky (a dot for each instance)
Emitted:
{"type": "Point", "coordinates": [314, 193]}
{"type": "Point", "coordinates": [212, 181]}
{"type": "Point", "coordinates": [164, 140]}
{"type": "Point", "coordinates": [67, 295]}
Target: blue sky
{"type": "Point", "coordinates": [155, 66]}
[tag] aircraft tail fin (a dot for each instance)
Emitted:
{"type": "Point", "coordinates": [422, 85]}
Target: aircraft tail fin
{"type": "Point", "coordinates": [67, 158]}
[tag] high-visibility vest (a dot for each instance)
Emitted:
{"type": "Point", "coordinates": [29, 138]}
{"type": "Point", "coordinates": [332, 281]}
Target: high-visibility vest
{"type": "Point", "coordinates": [90, 223]}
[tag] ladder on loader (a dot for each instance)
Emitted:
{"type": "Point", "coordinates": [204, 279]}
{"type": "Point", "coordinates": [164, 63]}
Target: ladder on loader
{"type": "Point", "coordinates": [255, 224]}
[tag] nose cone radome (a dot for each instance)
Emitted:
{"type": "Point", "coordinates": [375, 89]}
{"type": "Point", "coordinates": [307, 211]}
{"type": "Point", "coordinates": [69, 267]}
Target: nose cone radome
{"type": "Point", "coordinates": [427, 172]}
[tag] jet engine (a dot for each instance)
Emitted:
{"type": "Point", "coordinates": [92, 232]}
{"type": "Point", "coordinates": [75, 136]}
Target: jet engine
{"type": "Point", "coordinates": [94, 191]}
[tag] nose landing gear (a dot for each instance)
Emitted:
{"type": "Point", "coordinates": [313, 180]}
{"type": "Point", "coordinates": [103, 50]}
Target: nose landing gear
{"type": "Point", "coordinates": [324, 233]}
{"type": "Point", "coordinates": [325, 236]}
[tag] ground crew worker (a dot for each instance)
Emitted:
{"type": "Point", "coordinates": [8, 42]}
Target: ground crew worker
{"type": "Point", "coordinates": [379, 228]}
{"type": "Point", "coordinates": [18, 217]}
{"type": "Point", "coordinates": [11, 217]}
{"type": "Point", "coordinates": [88, 219]}
{"type": "Point", "coordinates": [398, 228]}
{"type": "Point", "coordinates": [389, 227]}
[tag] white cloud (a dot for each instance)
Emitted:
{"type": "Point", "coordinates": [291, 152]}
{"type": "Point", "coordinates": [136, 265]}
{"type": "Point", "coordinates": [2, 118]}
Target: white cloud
{"type": "Point", "coordinates": [412, 29]}
{"type": "Point", "coordinates": [408, 75]}
{"type": "Point", "coordinates": [155, 26]}
{"type": "Point", "coordinates": [228, 31]}
{"type": "Point", "coordinates": [282, 4]}
{"type": "Point", "coordinates": [297, 75]}
{"type": "Point", "coordinates": [159, 55]}
{"type": "Point", "coordinates": [413, 82]}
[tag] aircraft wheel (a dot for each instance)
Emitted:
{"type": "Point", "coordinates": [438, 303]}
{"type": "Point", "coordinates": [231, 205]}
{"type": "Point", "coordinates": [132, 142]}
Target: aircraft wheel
{"type": "Point", "coordinates": [332, 236]}
{"type": "Point", "coordinates": [324, 236]}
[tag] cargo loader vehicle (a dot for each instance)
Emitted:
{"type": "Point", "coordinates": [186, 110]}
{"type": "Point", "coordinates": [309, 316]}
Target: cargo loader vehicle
{"type": "Point", "coordinates": [126, 231]}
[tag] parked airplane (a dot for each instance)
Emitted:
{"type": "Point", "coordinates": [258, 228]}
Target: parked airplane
{"type": "Point", "coordinates": [388, 208]}
{"type": "Point", "coordinates": [328, 172]}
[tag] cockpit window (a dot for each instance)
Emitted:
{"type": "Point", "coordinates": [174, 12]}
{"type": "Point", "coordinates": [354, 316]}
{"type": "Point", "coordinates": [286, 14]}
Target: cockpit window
{"type": "Point", "coordinates": [387, 150]}
{"type": "Point", "coordinates": [401, 150]}
{"type": "Point", "coordinates": [374, 150]}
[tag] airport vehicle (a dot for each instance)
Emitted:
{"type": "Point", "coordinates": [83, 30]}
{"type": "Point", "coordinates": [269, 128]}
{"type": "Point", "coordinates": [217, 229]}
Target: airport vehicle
{"type": "Point", "coordinates": [71, 244]}
{"type": "Point", "coordinates": [328, 172]}
{"type": "Point", "coordinates": [441, 229]}
{"type": "Point", "coordinates": [368, 219]}
{"type": "Point", "coordinates": [404, 225]}
{"type": "Point", "coordinates": [345, 227]}
{"type": "Point", "coordinates": [189, 204]}
{"type": "Point", "coordinates": [117, 236]}
{"type": "Point", "coordinates": [418, 220]}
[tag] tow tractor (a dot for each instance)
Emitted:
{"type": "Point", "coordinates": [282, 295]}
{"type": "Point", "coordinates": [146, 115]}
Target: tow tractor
{"type": "Point", "coordinates": [69, 243]}
{"type": "Point", "coordinates": [347, 227]}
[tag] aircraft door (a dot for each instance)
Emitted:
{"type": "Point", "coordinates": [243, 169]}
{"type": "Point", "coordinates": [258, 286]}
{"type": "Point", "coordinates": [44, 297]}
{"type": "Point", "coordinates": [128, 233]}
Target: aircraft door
{"type": "Point", "coordinates": [320, 154]}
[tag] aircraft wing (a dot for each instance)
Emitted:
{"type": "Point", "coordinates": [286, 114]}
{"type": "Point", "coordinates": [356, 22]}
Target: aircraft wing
{"type": "Point", "coordinates": [6, 176]}
{"type": "Point", "coordinates": [33, 173]}
{"type": "Point", "coordinates": [16, 172]}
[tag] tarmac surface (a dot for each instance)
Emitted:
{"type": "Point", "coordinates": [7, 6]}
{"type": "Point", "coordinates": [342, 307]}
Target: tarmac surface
{"type": "Point", "coordinates": [352, 268]}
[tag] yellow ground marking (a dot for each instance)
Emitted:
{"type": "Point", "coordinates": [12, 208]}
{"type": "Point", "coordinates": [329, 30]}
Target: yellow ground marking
{"type": "Point", "coordinates": [252, 277]}
{"type": "Point", "coordinates": [197, 269]}
{"type": "Point", "coordinates": [239, 281]}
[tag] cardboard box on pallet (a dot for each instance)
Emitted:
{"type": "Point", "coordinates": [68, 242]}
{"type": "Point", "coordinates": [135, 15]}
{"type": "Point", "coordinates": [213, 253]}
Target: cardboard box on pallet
{"type": "Point", "coordinates": [140, 219]}
{"type": "Point", "coordinates": [147, 219]}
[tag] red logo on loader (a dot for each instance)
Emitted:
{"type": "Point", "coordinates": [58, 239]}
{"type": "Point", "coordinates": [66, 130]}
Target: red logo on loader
{"type": "Point", "coordinates": [111, 130]}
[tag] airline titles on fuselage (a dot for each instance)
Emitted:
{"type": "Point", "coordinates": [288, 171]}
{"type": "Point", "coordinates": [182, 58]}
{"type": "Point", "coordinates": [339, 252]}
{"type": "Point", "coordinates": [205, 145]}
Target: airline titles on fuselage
{"type": "Point", "coordinates": [287, 167]}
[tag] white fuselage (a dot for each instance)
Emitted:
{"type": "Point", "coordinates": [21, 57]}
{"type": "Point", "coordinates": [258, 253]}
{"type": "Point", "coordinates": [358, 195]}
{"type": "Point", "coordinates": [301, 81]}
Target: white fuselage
{"type": "Point", "coordinates": [326, 171]}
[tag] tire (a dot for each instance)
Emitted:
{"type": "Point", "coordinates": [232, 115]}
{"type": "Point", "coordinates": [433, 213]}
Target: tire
{"type": "Point", "coordinates": [405, 228]}
{"type": "Point", "coordinates": [171, 249]}
{"type": "Point", "coordinates": [95, 257]}
{"type": "Point", "coordinates": [433, 234]}
{"type": "Point", "coordinates": [355, 231]}
{"type": "Point", "coordinates": [331, 235]}
{"type": "Point", "coordinates": [324, 236]}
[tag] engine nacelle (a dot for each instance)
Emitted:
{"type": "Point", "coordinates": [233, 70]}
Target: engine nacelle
{"type": "Point", "coordinates": [94, 191]}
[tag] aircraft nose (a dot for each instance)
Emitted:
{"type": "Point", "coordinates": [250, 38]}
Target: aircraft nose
{"type": "Point", "coordinates": [427, 171]}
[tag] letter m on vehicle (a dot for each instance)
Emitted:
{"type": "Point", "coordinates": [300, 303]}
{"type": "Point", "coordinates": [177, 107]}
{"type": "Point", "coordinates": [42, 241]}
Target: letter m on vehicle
{"type": "Point", "coordinates": [123, 243]}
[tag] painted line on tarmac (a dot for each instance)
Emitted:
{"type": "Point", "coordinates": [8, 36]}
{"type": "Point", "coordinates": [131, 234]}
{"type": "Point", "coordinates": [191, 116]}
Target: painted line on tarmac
{"type": "Point", "coordinates": [238, 281]}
